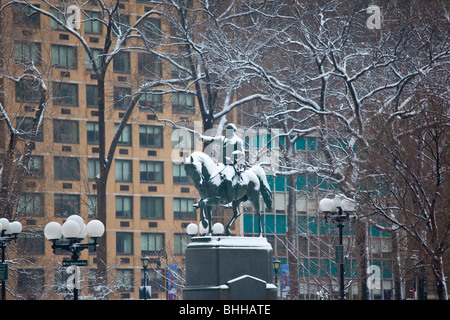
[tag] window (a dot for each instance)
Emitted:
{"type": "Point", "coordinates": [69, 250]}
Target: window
{"type": "Point", "coordinates": [150, 136]}
{"type": "Point", "coordinates": [120, 23]}
{"type": "Point", "coordinates": [183, 103]}
{"type": "Point", "coordinates": [92, 206]}
{"type": "Point", "coordinates": [182, 70]}
{"type": "Point", "coordinates": [66, 205]}
{"type": "Point", "coordinates": [152, 243]}
{"type": "Point", "coordinates": [125, 138]}
{"type": "Point", "coordinates": [91, 24]}
{"type": "Point", "coordinates": [92, 133]}
{"type": "Point", "coordinates": [64, 57]}
{"type": "Point", "coordinates": [96, 56]}
{"type": "Point", "coordinates": [125, 280]}
{"type": "Point", "coordinates": [25, 125]}
{"type": "Point", "coordinates": [124, 207]}
{"type": "Point", "coordinates": [36, 166]}
{"type": "Point", "coordinates": [181, 241]}
{"type": "Point", "coordinates": [65, 131]}
{"type": "Point", "coordinates": [91, 96]}
{"type": "Point", "coordinates": [27, 53]}
{"type": "Point", "coordinates": [65, 94]}
{"type": "Point", "coordinates": [152, 208]}
{"type": "Point", "coordinates": [67, 168]}
{"type": "Point", "coordinates": [151, 101]}
{"type": "Point", "coordinates": [183, 209]}
{"type": "Point", "coordinates": [124, 243]}
{"type": "Point", "coordinates": [122, 98]}
{"type": "Point", "coordinates": [31, 243]}
{"type": "Point", "coordinates": [179, 174]}
{"type": "Point", "coordinates": [25, 16]}
{"type": "Point", "coordinates": [121, 62]}
{"type": "Point", "coordinates": [151, 29]}
{"type": "Point", "coordinates": [59, 14]}
{"type": "Point", "coordinates": [93, 168]}
{"type": "Point", "coordinates": [30, 205]}
{"type": "Point", "coordinates": [124, 171]}
{"type": "Point", "coordinates": [27, 91]}
{"type": "Point", "coordinates": [151, 171]}
{"type": "Point", "coordinates": [149, 65]}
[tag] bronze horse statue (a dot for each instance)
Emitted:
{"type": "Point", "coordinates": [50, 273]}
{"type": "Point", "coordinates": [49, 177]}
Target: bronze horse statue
{"type": "Point", "coordinates": [218, 184]}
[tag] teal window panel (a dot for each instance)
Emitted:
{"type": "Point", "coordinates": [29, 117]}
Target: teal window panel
{"type": "Point", "coordinates": [349, 229]}
{"type": "Point", "coordinates": [280, 183]}
{"type": "Point", "coordinates": [268, 142]}
{"type": "Point", "coordinates": [280, 224]}
{"type": "Point", "coordinates": [374, 231]}
{"type": "Point", "coordinates": [323, 185]}
{"type": "Point", "coordinates": [314, 266]}
{"type": "Point", "coordinates": [324, 267]}
{"type": "Point", "coordinates": [248, 223]}
{"type": "Point", "coordinates": [300, 144]}
{"type": "Point", "coordinates": [323, 227]}
{"type": "Point", "coordinates": [302, 224]}
{"type": "Point", "coordinates": [334, 269]}
{"type": "Point", "coordinates": [312, 225]}
{"type": "Point", "coordinates": [303, 267]}
{"type": "Point", "coordinates": [350, 268]}
{"type": "Point", "coordinates": [270, 180]}
{"type": "Point", "coordinates": [387, 269]}
{"type": "Point", "coordinates": [312, 182]}
{"type": "Point", "coordinates": [385, 234]}
{"type": "Point", "coordinates": [301, 182]}
{"type": "Point", "coordinates": [269, 223]}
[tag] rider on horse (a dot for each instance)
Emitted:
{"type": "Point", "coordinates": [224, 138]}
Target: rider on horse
{"type": "Point", "coordinates": [231, 155]}
{"type": "Point", "coordinates": [231, 151]}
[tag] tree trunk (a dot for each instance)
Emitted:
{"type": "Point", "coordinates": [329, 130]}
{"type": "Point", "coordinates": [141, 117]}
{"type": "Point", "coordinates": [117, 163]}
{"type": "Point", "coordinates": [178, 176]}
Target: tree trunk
{"type": "Point", "coordinates": [398, 291]}
{"type": "Point", "coordinates": [101, 180]}
{"type": "Point", "coordinates": [441, 284]}
{"type": "Point", "coordinates": [292, 236]}
{"type": "Point", "coordinates": [362, 256]}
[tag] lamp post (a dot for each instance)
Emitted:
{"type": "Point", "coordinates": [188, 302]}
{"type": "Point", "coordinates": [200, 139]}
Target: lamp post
{"type": "Point", "coordinates": [74, 231]}
{"type": "Point", "coordinates": [335, 209]}
{"type": "Point", "coordinates": [145, 261]}
{"type": "Point", "coordinates": [8, 232]}
{"type": "Point", "coordinates": [276, 267]}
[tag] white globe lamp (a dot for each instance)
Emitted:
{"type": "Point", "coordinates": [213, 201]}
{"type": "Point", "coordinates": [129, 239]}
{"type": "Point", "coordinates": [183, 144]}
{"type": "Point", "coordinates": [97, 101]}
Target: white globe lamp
{"type": "Point", "coordinates": [95, 229]}
{"type": "Point", "coordinates": [70, 229]}
{"type": "Point", "coordinates": [53, 231]}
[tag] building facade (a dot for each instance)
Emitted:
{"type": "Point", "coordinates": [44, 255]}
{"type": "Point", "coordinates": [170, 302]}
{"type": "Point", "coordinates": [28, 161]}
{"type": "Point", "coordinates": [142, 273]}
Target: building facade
{"type": "Point", "coordinates": [149, 198]}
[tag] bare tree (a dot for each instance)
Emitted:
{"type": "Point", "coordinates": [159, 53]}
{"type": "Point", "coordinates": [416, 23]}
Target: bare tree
{"type": "Point", "coordinates": [341, 74]}
{"type": "Point", "coordinates": [413, 155]}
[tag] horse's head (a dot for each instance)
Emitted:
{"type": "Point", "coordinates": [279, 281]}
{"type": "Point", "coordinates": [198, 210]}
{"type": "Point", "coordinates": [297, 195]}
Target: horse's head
{"type": "Point", "coordinates": [199, 166]}
{"type": "Point", "coordinates": [193, 169]}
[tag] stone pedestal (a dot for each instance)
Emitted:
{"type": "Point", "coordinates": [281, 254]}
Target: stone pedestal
{"type": "Point", "coordinates": [223, 268]}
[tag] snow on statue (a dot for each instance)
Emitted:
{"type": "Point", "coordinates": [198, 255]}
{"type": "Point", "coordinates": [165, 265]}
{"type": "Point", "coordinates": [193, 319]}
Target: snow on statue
{"type": "Point", "coordinates": [226, 181]}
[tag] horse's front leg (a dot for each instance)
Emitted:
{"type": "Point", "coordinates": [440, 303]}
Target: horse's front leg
{"type": "Point", "coordinates": [203, 219]}
{"type": "Point", "coordinates": [208, 217]}
{"type": "Point", "coordinates": [236, 214]}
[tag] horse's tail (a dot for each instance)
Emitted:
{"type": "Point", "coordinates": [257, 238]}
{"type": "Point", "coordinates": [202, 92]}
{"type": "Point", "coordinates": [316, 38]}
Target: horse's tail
{"type": "Point", "coordinates": [264, 186]}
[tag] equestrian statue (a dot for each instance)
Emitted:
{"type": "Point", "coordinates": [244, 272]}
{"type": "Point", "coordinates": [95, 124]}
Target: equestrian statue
{"type": "Point", "coordinates": [227, 182]}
